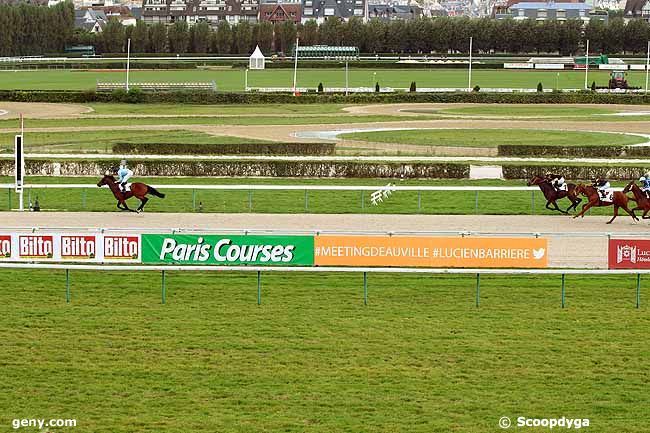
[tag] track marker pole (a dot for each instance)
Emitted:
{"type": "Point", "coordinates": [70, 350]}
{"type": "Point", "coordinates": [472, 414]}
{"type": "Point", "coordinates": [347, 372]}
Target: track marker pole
{"type": "Point", "coordinates": [478, 290]}
{"type": "Point", "coordinates": [563, 278]}
{"type": "Point", "coordinates": [259, 288]}
{"type": "Point", "coordinates": [638, 290]}
{"type": "Point", "coordinates": [365, 288]}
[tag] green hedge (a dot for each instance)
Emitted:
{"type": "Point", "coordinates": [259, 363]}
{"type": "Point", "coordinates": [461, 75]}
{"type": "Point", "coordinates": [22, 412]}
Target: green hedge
{"type": "Point", "coordinates": [242, 168]}
{"type": "Point", "coordinates": [202, 97]}
{"type": "Point", "coordinates": [570, 172]}
{"type": "Point", "coordinates": [321, 64]}
{"type": "Point", "coordinates": [299, 149]}
{"type": "Point", "coordinates": [574, 151]}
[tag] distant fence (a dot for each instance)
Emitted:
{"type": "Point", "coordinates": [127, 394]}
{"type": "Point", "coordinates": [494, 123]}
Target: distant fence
{"type": "Point", "coordinates": [364, 199]}
{"type": "Point", "coordinates": [359, 270]}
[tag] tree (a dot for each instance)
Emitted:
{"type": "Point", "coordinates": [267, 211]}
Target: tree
{"type": "Point", "coordinates": [201, 37]}
{"type": "Point", "coordinates": [595, 32]}
{"type": "Point", "coordinates": [353, 33]}
{"type": "Point", "coordinates": [223, 38]}
{"type": "Point", "coordinates": [636, 36]}
{"type": "Point", "coordinates": [158, 38]}
{"type": "Point", "coordinates": [309, 33]}
{"type": "Point", "coordinates": [285, 36]}
{"type": "Point", "coordinates": [178, 36]}
{"type": "Point", "coordinates": [243, 37]}
{"type": "Point", "coordinates": [263, 36]}
{"type": "Point", "coordinates": [140, 37]}
{"type": "Point", "coordinates": [113, 36]}
{"type": "Point", "coordinates": [375, 36]}
{"type": "Point", "coordinates": [331, 31]}
{"type": "Point", "coordinates": [614, 35]}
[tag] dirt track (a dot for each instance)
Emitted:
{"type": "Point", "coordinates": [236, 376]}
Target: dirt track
{"type": "Point", "coordinates": [585, 246]}
{"type": "Point", "coordinates": [42, 110]}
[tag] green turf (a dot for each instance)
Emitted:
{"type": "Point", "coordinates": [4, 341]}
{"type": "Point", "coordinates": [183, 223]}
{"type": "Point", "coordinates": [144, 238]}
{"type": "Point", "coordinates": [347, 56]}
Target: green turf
{"type": "Point", "coordinates": [312, 358]}
{"type": "Point", "coordinates": [233, 80]}
{"type": "Point", "coordinates": [103, 141]}
{"type": "Point", "coordinates": [178, 121]}
{"type": "Point", "coordinates": [401, 202]}
{"type": "Point", "coordinates": [525, 111]}
{"type": "Point", "coordinates": [494, 137]}
{"type": "Point", "coordinates": [212, 110]}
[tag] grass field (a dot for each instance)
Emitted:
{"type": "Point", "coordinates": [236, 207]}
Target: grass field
{"type": "Point", "coordinates": [102, 142]}
{"type": "Point", "coordinates": [233, 80]}
{"type": "Point", "coordinates": [212, 110]}
{"type": "Point", "coordinates": [401, 202]}
{"type": "Point", "coordinates": [494, 137]}
{"type": "Point", "coordinates": [526, 111]}
{"type": "Point", "coordinates": [419, 358]}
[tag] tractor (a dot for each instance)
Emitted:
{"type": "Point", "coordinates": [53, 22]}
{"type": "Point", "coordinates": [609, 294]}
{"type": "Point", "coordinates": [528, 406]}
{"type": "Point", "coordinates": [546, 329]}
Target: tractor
{"type": "Point", "coordinates": [617, 80]}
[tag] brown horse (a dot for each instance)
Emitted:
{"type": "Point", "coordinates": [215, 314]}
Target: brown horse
{"type": "Point", "coordinates": [552, 195]}
{"type": "Point", "coordinates": [619, 200]}
{"type": "Point", "coordinates": [138, 190]}
{"type": "Point", "coordinates": [640, 197]}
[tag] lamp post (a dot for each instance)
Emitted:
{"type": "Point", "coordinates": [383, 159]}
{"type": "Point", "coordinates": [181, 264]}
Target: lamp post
{"type": "Point", "coordinates": [128, 61]}
{"type": "Point", "coordinates": [587, 65]}
{"type": "Point", "coordinates": [469, 80]}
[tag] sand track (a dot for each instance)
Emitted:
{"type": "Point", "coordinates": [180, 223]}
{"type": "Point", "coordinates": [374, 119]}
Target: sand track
{"type": "Point", "coordinates": [572, 243]}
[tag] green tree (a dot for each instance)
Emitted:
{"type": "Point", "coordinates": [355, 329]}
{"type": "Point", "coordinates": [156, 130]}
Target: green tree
{"type": "Point", "coordinates": [140, 38]}
{"type": "Point", "coordinates": [113, 36]}
{"type": "Point", "coordinates": [201, 37]}
{"type": "Point", "coordinates": [263, 35]}
{"type": "Point", "coordinates": [243, 37]}
{"type": "Point", "coordinates": [285, 36]}
{"type": "Point", "coordinates": [178, 36]}
{"type": "Point", "coordinates": [223, 38]}
{"type": "Point", "coordinates": [331, 31]}
{"type": "Point", "coordinates": [595, 32]}
{"type": "Point", "coordinates": [158, 38]}
{"type": "Point", "coordinates": [309, 34]}
{"type": "Point", "coordinates": [614, 36]}
{"type": "Point", "coordinates": [636, 36]}
{"type": "Point", "coordinates": [353, 33]}
{"type": "Point", "coordinates": [375, 36]}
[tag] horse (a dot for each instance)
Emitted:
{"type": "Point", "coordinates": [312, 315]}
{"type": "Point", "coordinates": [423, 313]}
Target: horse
{"type": "Point", "coordinates": [138, 190]}
{"type": "Point", "coordinates": [640, 197]}
{"type": "Point", "coordinates": [619, 200]}
{"type": "Point", "coordinates": [552, 195]}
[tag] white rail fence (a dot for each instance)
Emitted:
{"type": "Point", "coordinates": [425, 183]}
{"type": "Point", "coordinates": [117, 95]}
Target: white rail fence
{"type": "Point", "coordinates": [377, 191]}
{"type": "Point", "coordinates": [359, 270]}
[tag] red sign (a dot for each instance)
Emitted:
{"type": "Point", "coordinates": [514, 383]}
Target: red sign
{"type": "Point", "coordinates": [35, 247]}
{"type": "Point", "coordinates": [5, 247]}
{"type": "Point", "coordinates": [629, 254]}
{"type": "Point", "coordinates": [121, 247]}
{"type": "Point", "coordinates": [78, 247]}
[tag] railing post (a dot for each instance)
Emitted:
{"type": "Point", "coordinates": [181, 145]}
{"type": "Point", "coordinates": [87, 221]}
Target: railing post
{"type": "Point", "coordinates": [365, 288]}
{"type": "Point", "coordinates": [193, 200]}
{"type": "Point", "coordinates": [476, 203]}
{"type": "Point", "coordinates": [164, 288]}
{"type": "Point", "coordinates": [259, 287]}
{"type": "Point", "coordinates": [478, 290]}
{"type": "Point", "coordinates": [638, 290]}
{"type": "Point", "coordinates": [67, 286]}
{"type": "Point", "coordinates": [563, 279]}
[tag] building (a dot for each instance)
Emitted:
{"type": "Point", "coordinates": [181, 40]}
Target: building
{"type": "Point", "coordinates": [397, 12]}
{"type": "Point", "coordinates": [321, 10]}
{"type": "Point", "coordinates": [193, 11]}
{"type": "Point", "coordinates": [90, 20]}
{"type": "Point", "coordinates": [278, 11]}
{"type": "Point", "coordinates": [542, 11]}
{"type": "Point", "coordinates": [637, 9]}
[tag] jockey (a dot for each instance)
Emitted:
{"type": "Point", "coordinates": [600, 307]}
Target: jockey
{"type": "Point", "coordinates": [556, 180]}
{"type": "Point", "coordinates": [645, 185]}
{"type": "Point", "coordinates": [123, 175]}
{"type": "Point", "coordinates": [602, 185]}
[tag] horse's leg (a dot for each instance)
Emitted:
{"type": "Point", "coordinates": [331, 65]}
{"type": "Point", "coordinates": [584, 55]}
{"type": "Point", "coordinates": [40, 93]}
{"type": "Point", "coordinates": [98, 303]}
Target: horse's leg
{"type": "Point", "coordinates": [615, 214]}
{"type": "Point", "coordinates": [585, 208]}
{"type": "Point", "coordinates": [143, 201]}
{"type": "Point", "coordinates": [126, 207]}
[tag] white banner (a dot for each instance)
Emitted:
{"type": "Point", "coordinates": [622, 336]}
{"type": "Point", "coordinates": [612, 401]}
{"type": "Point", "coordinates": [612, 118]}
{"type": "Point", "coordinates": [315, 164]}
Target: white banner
{"type": "Point", "coordinates": [613, 67]}
{"type": "Point", "coordinates": [549, 65]}
{"type": "Point", "coordinates": [70, 247]}
{"type": "Point", "coordinates": [637, 67]}
{"type": "Point", "coordinates": [518, 65]}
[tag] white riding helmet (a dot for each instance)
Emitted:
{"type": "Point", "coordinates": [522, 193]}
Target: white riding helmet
{"type": "Point", "coordinates": [642, 179]}
{"type": "Point", "coordinates": [123, 163]}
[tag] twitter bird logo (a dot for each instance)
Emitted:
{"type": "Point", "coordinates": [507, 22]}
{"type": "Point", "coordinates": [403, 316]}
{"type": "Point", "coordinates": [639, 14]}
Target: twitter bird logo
{"type": "Point", "coordinates": [539, 253]}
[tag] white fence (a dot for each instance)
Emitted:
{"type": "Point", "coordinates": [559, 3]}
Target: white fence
{"type": "Point", "coordinates": [360, 270]}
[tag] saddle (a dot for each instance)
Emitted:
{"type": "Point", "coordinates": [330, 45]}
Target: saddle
{"type": "Point", "coordinates": [609, 196]}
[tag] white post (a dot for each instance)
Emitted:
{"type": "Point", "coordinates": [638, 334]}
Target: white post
{"type": "Point", "coordinates": [587, 66]}
{"type": "Point", "coordinates": [295, 68]}
{"type": "Point", "coordinates": [647, 63]}
{"type": "Point", "coordinates": [128, 62]}
{"type": "Point", "coordinates": [469, 81]}
{"type": "Point", "coordinates": [20, 163]}
{"type": "Point", "coordinates": [347, 80]}
{"type": "Point", "coordinates": [246, 80]}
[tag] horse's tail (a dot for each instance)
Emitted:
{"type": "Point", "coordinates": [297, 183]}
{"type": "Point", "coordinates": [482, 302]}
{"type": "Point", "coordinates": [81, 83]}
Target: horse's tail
{"type": "Point", "coordinates": [154, 191]}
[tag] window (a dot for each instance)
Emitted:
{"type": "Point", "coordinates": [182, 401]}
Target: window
{"type": "Point", "coordinates": [358, 12]}
{"type": "Point", "coordinates": [309, 11]}
{"type": "Point", "coordinates": [329, 11]}
{"type": "Point", "coordinates": [520, 12]}
{"type": "Point", "coordinates": [561, 13]}
{"type": "Point", "coordinates": [308, 3]}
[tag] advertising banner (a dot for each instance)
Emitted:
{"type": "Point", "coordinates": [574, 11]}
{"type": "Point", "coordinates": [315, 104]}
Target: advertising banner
{"type": "Point", "coordinates": [433, 252]}
{"type": "Point", "coordinates": [629, 254]}
{"type": "Point", "coordinates": [228, 250]}
{"type": "Point", "coordinates": [518, 65]}
{"type": "Point", "coordinates": [69, 247]}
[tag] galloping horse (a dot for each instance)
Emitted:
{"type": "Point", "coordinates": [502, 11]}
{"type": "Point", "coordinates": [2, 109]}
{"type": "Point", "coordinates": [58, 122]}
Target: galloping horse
{"type": "Point", "coordinates": [619, 199]}
{"type": "Point", "coordinates": [552, 195]}
{"type": "Point", "coordinates": [641, 199]}
{"type": "Point", "coordinates": [138, 190]}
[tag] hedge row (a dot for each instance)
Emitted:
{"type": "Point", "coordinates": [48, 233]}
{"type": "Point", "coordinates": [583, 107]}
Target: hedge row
{"type": "Point", "coordinates": [299, 149]}
{"type": "Point", "coordinates": [202, 97]}
{"type": "Point", "coordinates": [573, 151]}
{"type": "Point", "coordinates": [248, 169]}
{"type": "Point", "coordinates": [336, 64]}
{"type": "Point", "coordinates": [572, 172]}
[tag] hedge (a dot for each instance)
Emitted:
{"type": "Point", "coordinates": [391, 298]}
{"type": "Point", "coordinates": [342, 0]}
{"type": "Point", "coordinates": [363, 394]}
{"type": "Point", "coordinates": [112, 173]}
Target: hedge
{"type": "Point", "coordinates": [572, 172]}
{"type": "Point", "coordinates": [206, 97]}
{"type": "Point", "coordinates": [334, 169]}
{"type": "Point", "coordinates": [320, 64]}
{"type": "Point", "coordinates": [573, 151]}
{"type": "Point", "coordinates": [224, 149]}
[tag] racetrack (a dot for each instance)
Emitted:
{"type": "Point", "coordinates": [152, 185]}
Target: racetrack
{"type": "Point", "coordinates": [584, 246]}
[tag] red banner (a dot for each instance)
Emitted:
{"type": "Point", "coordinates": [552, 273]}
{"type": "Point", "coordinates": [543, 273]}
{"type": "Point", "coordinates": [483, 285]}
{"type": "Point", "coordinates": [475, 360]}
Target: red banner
{"type": "Point", "coordinates": [629, 254]}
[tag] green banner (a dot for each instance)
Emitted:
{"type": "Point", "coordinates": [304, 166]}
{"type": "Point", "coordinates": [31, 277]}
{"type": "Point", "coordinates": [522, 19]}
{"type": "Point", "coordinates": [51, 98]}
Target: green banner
{"type": "Point", "coordinates": [228, 250]}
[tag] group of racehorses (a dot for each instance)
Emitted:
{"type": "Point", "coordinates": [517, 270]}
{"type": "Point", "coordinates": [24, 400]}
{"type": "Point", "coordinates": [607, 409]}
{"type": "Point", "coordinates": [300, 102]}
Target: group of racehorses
{"type": "Point", "coordinates": [620, 199]}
